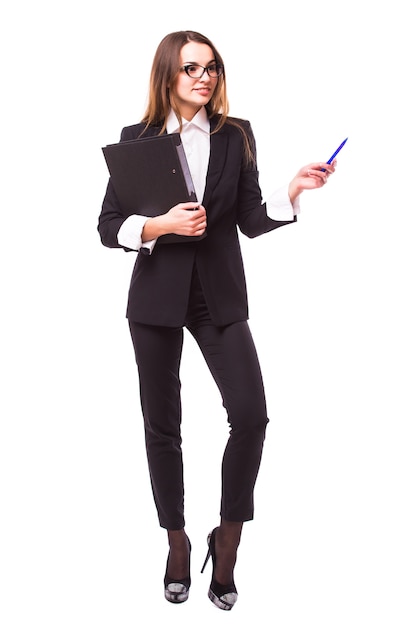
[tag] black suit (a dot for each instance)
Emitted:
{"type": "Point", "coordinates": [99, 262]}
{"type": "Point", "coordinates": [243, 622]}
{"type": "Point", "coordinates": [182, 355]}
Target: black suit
{"type": "Point", "coordinates": [232, 198]}
{"type": "Point", "coordinates": [200, 285]}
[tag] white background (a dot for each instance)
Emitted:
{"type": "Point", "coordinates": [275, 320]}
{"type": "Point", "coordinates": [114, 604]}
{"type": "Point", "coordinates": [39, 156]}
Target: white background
{"type": "Point", "coordinates": [332, 306]}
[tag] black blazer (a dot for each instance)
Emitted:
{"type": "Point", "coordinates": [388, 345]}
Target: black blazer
{"type": "Point", "coordinates": [160, 283]}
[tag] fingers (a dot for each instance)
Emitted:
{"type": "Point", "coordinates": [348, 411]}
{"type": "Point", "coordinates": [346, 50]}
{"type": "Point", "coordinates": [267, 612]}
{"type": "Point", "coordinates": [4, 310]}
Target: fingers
{"type": "Point", "coordinates": [199, 220]}
{"type": "Point", "coordinates": [189, 206]}
{"type": "Point", "coordinates": [326, 168]}
{"type": "Point", "coordinates": [317, 174]}
{"type": "Point", "coordinates": [189, 218]}
{"type": "Point", "coordinates": [320, 171]}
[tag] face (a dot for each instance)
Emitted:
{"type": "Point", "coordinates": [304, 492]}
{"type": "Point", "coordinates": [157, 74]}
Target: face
{"type": "Point", "coordinates": [192, 93]}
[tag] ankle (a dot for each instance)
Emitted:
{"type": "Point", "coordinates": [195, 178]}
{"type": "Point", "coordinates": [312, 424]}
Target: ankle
{"type": "Point", "coordinates": [228, 534]}
{"type": "Point", "coordinates": [178, 539]}
{"type": "Point", "coordinates": [226, 544]}
{"type": "Point", "coordinates": [178, 565]}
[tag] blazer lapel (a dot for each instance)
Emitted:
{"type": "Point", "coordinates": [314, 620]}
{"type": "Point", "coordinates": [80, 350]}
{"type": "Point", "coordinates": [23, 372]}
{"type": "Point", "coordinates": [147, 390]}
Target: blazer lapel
{"type": "Point", "coordinates": [218, 150]}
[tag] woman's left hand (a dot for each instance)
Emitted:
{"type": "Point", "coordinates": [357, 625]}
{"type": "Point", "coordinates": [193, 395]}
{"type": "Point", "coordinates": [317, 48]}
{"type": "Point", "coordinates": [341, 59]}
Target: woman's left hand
{"type": "Point", "coordinates": [310, 177]}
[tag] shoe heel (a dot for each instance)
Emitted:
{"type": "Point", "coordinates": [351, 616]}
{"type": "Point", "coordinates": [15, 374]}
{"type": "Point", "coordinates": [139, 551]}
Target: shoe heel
{"type": "Point", "coordinates": [208, 554]}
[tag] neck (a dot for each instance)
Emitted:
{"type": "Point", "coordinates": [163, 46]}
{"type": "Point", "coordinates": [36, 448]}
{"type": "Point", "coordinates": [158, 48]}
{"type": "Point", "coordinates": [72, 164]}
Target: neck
{"type": "Point", "coordinates": [188, 113]}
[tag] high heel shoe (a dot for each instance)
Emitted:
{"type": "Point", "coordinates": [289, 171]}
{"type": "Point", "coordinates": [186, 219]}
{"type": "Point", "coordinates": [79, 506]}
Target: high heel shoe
{"type": "Point", "coordinates": [177, 590]}
{"type": "Point", "coordinates": [223, 596]}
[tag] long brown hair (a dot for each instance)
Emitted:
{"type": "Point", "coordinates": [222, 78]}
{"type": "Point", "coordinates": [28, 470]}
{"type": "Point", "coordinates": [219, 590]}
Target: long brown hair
{"type": "Point", "coordinates": [162, 80]}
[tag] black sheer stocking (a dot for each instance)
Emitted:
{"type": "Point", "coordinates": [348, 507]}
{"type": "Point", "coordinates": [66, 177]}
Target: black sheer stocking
{"type": "Point", "coordinates": [226, 545]}
{"type": "Point", "coordinates": [178, 560]}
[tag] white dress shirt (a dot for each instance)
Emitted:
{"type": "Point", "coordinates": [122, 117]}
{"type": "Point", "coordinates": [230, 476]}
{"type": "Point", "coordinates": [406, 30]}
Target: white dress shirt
{"type": "Point", "coordinates": [195, 136]}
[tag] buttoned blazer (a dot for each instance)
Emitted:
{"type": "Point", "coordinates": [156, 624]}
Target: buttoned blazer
{"type": "Point", "coordinates": [160, 283]}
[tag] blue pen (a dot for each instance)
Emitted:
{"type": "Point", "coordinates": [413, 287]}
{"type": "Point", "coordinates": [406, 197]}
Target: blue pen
{"type": "Point", "coordinates": [335, 153]}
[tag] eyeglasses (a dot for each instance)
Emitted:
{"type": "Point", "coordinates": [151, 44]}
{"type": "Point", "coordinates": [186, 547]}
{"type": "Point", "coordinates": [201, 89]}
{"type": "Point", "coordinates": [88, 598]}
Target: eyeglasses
{"type": "Point", "coordinates": [197, 71]}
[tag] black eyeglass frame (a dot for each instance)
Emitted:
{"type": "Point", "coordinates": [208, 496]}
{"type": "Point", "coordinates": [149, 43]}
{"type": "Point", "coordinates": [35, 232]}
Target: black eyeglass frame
{"type": "Point", "coordinates": [219, 69]}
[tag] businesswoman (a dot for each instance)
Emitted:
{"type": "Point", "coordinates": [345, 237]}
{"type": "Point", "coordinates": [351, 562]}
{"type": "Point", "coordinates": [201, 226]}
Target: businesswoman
{"type": "Point", "coordinates": [199, 284]}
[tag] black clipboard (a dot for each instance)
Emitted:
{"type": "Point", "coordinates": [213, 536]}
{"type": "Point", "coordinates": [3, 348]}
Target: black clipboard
{"type": "Point", "coordinates": [150, 176]}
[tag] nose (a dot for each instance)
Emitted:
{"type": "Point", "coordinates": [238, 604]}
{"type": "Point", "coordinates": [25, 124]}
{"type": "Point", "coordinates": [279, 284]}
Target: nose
{"type": "Point", "coordinates": [205, 75]}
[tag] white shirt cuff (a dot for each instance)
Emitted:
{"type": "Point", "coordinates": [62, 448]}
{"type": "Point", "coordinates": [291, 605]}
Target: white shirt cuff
{"type": "Point", "coordinates": [279, 207]}
{"type": "Point", "coordinates": [130, 234]}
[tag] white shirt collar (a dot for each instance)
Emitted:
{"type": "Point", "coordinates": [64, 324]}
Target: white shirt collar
{"type": "Point", "coordinates": [200, 120]}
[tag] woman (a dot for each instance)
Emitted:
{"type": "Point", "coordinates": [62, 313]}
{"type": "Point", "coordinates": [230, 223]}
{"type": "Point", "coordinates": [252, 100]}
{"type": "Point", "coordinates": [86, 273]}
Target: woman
{"type": "Point", "coordinates": [200, 285]}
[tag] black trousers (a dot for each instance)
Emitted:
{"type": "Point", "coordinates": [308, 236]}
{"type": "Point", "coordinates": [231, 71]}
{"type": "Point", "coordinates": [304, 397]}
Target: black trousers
{"type": "Point", "coordinates": [232, 359]}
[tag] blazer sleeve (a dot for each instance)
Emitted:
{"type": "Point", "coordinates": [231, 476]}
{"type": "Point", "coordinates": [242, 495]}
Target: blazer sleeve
{"type": "Point", "coordinates": [252, 216]}
{"type": "Point", "coordinates": [111, 217]}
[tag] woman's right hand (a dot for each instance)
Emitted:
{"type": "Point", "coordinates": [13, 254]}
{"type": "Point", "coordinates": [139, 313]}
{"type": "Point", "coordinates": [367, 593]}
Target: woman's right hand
{"type": "Point", "coordinates": [187, 219]}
